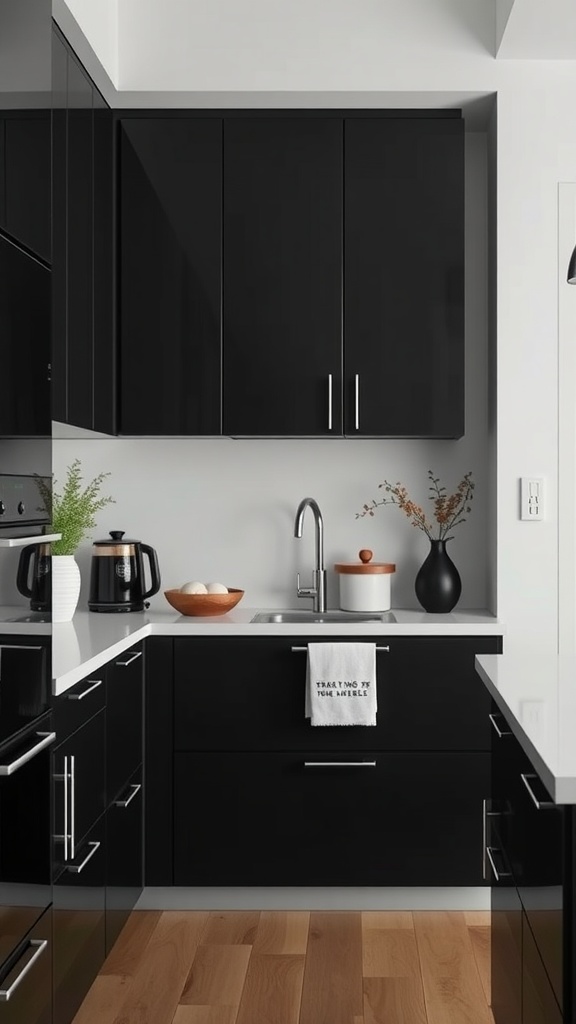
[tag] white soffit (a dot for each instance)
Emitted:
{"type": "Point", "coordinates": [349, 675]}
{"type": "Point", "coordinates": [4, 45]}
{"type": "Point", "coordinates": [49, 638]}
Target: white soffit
{"type": "Point", "coordinates": [536, 29]}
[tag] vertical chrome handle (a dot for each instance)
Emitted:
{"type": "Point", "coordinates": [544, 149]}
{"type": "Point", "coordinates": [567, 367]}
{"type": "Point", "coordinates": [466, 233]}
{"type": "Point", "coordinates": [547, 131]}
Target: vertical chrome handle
{"type": "Point", "coordinates": [329, 401]}
{"type": "Point", "coordinates": [64, 778]}
{"type": "Point", "coordinates": [72, 807]}
{"type": "Point", "coordinates": [34, 946]}
{"type": "Point", "coordinates": [357, 401]}
{"type": "Point", "coordinates": [484, 838]}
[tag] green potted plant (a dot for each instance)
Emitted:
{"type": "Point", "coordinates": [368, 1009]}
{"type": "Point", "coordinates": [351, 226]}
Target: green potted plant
{"type": "Point", "coordinates": [73, 513]}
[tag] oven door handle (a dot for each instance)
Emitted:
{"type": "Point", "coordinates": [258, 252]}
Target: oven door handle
{"type": "Point", "coordinates": [47, 739]}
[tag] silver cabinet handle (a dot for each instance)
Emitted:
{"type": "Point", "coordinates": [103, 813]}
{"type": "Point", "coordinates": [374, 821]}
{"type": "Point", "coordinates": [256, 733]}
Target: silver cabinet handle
{"type": "Point", "coordinates": [135, 787]}
{"type": "Point", "coordinates": [300, 650]}
{"type": "Point", "coordinates": [64, 777]}
{"type": "Point", "coordinates": [339, 764]}
{"type": "Point", "coordinates": [38, 945]}
{"type": "Point", "coordinates": [497, 875]}
{"type": "Point", "coordinates": [540, 805]}
{"type": "Point", "coordinates": [499, 732]}
{"type": "Point", "coordinates": [75, 869]}
{"type": "Point", "coordinates": [357, 401]}
{"type": "Point", "coordinates": [80, 696]}
{"type": "Point", "coordinates": [47, 739]}
{"type": "Point", "coordinates": [129, 660]}
{"type": "Point", "coordinates": [72, 806]}
{"type": "Point", "coordinates": [329, 401]}
{"type": "Point", "coordinates": [19, 647]}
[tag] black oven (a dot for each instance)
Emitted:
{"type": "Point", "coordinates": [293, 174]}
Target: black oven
{"type": "Point", "coordinates": [26, 737]}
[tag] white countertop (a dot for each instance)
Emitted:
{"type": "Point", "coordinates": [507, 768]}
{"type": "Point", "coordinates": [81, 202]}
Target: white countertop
{"type": "Point", "coordinates": [536, 692]}
{"type": "Point", "coordinates": [82, 646]}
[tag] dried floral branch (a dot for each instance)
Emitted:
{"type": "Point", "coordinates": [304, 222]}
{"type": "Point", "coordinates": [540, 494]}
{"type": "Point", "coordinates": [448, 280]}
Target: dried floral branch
{"type": "Point", "coordinates": [449, 510]}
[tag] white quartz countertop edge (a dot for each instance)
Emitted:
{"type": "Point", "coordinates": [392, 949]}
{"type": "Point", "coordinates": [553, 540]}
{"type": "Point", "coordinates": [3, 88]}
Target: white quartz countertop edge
{"type": "Point", "coordinates": [537, 698]}
{"type": "Point", "coordinates": [92, 639]}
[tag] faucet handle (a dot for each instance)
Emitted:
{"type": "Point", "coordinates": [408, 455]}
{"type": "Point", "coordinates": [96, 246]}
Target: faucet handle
{"type": "Point", "coordinates": [304, 591]}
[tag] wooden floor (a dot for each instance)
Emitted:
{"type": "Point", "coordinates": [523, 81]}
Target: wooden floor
{"type": "Point", "coordinates": [271, 967]}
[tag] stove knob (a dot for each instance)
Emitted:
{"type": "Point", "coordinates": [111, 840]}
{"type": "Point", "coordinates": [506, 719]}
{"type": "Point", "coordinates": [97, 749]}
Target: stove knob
{"type": "Point", "coordinates": [21, 508]}
{"type": "Point", "coordinates": [2, 508]}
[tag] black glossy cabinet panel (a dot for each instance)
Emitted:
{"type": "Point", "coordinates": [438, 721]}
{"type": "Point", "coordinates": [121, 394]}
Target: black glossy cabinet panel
{"type": "Point", "coordinates": [79, 924]}
{"type": "Point", "coordinates": [506, 951]}
{"type": "Point", "coordinates": [538, 1002]}
{"type": "Point", "coordinates": [25, 332]}
{"type": "Point", "coordinates": [242, 694]}
{"type": "Point", "coordinates": [25, 177]}
{"type": "Point", "coordinates": [124, 856]}
{"type": "Point", "coordinates": [170, 273]}
{"type": "Point", "coordinates": [266, 819]}
{"type": "Point", "coordinates": [124, 710]}
{"type": "Point", "coordinates": [31, 999]}
{"type": "Point", "coordinates": [404, 277]}
{"type": "Point", "coordinates": [83, 247]}
{"type": "Point", "coordinates": [79, 787]}
{"type": "Point", "coordinates": [282, 309]}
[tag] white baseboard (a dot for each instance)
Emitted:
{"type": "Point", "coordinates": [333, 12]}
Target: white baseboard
{"type": "Point", "coordinates": [312, 898]}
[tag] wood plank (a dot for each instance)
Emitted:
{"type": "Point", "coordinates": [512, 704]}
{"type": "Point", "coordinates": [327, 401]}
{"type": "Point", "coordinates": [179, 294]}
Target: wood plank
{"type": "Point", "coordinates": [106, 994]}
{"type": "Point", "coordinates": [387, 919]}
{"type": "Point", "coordinates": [163, 968]}
{"type": "Point", "coordinates": [273, 990]}
{"type": "Point", "coordinates": [282, 932]}
{"type": "Point", "coordinates": [217, 976]}
{"type": "Point", "coordinates": [231, 928]}
{"type": "Point", "coordinates": [477, 918]}
{"type": "Point", "coordinates": [332, 990]}
{"type": "Point", "coordinates": [129, 947]}
{"type": "Point", "coordinates": [205, 1015]}
{"type": "Point", "coordinates": [480, 938]}
{"type": "Point", "coordinates": [390, 953]}
{"type": "Point", "coordinates": [394, 1001]}
{"type": "Point", "coordinates": [452, 989]}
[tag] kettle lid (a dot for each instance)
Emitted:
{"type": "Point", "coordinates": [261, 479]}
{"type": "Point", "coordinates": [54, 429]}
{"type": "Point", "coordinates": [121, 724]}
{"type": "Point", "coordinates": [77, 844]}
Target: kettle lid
{"type": "Point", "coordinates": [117, 538]}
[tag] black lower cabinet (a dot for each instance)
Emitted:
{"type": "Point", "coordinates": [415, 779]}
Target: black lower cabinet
{"type": "Point", "coordinates": [506, 950]}
{"type": "Point", "coordinates": [79, 924]}
{"type": "Point", "coordinates": [26, 978]}
{"type": "Point", "coordinates": [124, 861]}
{"type": "Point", "coordinates": [538, 1000]}
{"type": "Point", "coordinates": [360, 818]}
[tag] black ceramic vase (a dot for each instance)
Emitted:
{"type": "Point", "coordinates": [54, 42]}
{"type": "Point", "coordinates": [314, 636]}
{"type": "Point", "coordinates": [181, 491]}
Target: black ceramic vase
{"type": "Point", "coordinates": [438, 585]}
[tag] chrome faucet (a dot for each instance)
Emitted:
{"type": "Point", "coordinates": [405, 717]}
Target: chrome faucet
{"type": "Point", "coordinates": [318, 589]}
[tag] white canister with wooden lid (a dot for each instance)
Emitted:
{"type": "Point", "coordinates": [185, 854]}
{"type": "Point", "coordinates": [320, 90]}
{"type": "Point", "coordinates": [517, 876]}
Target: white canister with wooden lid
{"type": "Point", "coordinates": [365, 585]}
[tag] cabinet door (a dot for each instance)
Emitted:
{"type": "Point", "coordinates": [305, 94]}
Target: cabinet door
{"type": "Point", "coordinates": [365, 819]}
{"type": "Point", "coordinates": [282, 326]}
{"type": "Point", "coordinates": [31, 998]}
{"type": "Point", "coordinates": [105, 382]}
{"type": "Point", "coordinates": [79, 788]}
{"type": "Point", "coordinates": [79, 247]}
{"type": "Point", "coordinates": [27, 180]}
{"type": "Point", "coordinates": [170, 265]}
{"type": "Point", "coordinates": [506, 951]}
{"type": "Point", "coordinates": [124, 699]}
{"type": "Point", "coordinates": [243, 694]}
{"type": "Point", "coordinates": [124, 862]}
{"type": "Point", "coordinates": [79, 925]}
{"type": "Point", "coordinates": [539, 1004]}
{"type": "Point", "coordinates": [404, 277]}
{"type": "Point", "coordinates": [59, 227]}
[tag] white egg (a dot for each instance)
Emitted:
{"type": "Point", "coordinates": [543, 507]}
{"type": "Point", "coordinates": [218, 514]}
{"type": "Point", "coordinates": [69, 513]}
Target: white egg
{"type": "Point", "coordinates": [216, 588]}
{"type": "Point", "coordinates": [194, 588]}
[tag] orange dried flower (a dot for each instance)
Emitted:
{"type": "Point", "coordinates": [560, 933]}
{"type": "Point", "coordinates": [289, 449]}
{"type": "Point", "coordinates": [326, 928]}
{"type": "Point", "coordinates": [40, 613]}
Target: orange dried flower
{"type": "Point", "coordinates": [449, 509]}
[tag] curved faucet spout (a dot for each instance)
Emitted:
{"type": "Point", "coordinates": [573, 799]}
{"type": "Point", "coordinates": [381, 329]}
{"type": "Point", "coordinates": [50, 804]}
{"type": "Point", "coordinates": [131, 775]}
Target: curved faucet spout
{"type": "Point", "coordinates": [318, 589]}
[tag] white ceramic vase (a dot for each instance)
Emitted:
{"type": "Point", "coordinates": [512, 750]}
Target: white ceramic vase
{"type": "Point", "coordinates": [65, 587]}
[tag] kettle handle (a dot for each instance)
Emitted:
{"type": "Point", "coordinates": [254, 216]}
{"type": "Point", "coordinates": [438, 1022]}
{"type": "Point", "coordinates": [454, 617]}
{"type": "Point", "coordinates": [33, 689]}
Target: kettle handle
{"type": "Point", "coordinates": [154, 569]}
{"type": "Point", "coordinates": [23, 567]}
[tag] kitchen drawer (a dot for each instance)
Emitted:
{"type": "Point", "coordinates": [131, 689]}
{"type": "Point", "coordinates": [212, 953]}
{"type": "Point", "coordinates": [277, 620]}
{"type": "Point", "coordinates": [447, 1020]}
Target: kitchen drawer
{"type": "Point", "coordinates": [31, 1000]}
{"type": "Point", "coordinates": [124, 861]}
{"type": "Point", "coordinates": [79, 924]}
{"type": "Point", "coordinates": [538, 1000]}
{"type": "Point", "coordinates": [287, 819]}
{"type": "Point", "coordinates": [78, 767]}
{"type": "Point", "coordinates": [506, 952]}
{"type": "Point", "coordinates": [248, 694]}
{"type": "Point", "coordinates": [124, 709]}
{"type": "Point", "coordinates": [74, 707]}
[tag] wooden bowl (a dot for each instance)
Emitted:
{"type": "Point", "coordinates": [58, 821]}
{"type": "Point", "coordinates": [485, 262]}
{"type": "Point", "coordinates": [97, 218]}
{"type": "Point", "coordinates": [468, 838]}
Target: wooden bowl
{"type": "Point", "coordinates": [203, 604]}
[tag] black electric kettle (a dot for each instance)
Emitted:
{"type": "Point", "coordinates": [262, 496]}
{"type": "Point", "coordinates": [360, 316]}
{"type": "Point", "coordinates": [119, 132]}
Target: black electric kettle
{"type": "Point", "coordinates": [117, 581]}
{"type": "Point", "coordinates": [37, 587]}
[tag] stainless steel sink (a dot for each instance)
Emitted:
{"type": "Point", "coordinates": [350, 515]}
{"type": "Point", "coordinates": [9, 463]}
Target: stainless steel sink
{"type": "Point", "coordinates": [298, 615]}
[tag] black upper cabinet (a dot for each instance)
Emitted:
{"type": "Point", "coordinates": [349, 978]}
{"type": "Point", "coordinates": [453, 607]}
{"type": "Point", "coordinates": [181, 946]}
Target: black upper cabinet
{"type": "Point", "coordinates": [83, 248]}
{"type": "Point", "coordinates": [25, 161]}
{"type": "Point", "coordinates": [404, 277]}
{"type": "Point", "coordinates": [170, 271]}
{"type": "Point", "coordinates": [282, 309]}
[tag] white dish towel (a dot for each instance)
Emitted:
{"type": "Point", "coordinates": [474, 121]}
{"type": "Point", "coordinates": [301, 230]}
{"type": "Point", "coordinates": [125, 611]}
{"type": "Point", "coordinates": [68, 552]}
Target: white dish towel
{"type": "Point", "coordinates": [341, 684]}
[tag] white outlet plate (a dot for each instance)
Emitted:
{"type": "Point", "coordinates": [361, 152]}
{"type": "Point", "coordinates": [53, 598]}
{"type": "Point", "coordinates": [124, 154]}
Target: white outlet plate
{"type": "Point", "coordinates": [532, 498]}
